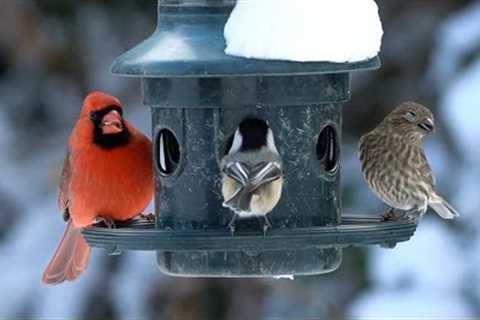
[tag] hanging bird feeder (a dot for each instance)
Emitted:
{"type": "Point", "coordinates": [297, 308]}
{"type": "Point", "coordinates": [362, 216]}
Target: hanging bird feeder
{"type": "Point", "coordinates": [198, 96]}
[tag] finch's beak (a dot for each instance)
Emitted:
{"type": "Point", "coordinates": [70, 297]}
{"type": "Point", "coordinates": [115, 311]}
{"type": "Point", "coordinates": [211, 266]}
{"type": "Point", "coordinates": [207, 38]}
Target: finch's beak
{"type": "Point", "coordinates": [427, 124]}
{"type": "Point", "coordinates": [112, 123]}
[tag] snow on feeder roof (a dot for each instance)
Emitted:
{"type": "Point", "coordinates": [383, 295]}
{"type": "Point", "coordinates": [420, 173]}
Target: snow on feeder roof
{"type": "Point", "coordinates": [305, 30]}
{"type": "Point", "coordinates": [198, 97]}
{"type": "Point", "coordinates": [185, 44]}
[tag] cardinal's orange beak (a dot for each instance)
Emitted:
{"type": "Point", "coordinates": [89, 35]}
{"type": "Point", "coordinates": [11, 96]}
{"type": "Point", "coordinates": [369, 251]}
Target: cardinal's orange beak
{"type": "Point", "coordinates": [112, 123]}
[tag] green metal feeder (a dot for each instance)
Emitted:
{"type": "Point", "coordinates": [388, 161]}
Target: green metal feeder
{"type": "Point", "coordinates": [198, 96]}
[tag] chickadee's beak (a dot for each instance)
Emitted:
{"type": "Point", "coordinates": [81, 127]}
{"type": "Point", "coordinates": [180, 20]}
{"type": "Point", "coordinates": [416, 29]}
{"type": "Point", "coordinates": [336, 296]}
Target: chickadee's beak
{"type": "Point", "coordinates": [112, 123]}
{"type": "Point", "coordinates": [427, 124]}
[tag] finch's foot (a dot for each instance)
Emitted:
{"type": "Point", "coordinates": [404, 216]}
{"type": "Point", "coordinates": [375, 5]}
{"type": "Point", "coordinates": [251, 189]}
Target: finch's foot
{"type": "Point", "coordinates": [414, 215]}
{"type": "Point", "coordinates": [388, 215]}
{"type": "Point", "coordinates": [109, 223]}
{"type": "Point", "coordinates": [393, 215]}
{"type": "Point", "coordinates": [412, 218]}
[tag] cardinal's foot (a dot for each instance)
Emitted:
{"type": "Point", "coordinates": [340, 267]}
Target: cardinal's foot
{"type": "Point", "coordinates": [108, 222]}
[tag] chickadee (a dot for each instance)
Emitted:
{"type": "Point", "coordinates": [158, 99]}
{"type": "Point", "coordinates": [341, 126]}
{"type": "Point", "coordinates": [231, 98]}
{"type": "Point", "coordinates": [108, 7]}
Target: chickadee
{"type": "Point", "coordinates": [252, 173]}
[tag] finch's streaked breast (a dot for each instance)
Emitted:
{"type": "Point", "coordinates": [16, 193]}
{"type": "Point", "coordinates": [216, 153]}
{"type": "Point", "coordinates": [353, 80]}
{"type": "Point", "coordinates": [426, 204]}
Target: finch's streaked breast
{"type": "Point", "coordinates": [394, 163]}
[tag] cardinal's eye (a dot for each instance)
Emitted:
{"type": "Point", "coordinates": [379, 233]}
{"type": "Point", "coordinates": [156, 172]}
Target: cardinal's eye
{"type": "Point", "coordinates": [93, 116]}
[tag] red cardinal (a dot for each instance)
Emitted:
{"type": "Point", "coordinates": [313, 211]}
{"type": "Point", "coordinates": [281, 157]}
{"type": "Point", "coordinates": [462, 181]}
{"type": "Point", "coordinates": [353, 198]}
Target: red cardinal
{"type": "Point", "coordinates": [107, 175]}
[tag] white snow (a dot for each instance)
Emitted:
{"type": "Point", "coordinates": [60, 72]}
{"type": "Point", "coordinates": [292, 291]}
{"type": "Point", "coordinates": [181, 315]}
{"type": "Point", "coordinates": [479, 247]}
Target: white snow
{"type": "Point", "coordinates": [139, 275]}
{"type": "Point", "coordinates": [421, 278]}
{"type": "Point", "coordinates": [457, 37]}
{"type": "Point", "coordinates": [432, 275]}
{"type": "Point", "coordinates": [460, 106]}
{"type": "Point", "coordinates": [431, 259]}
{"type": "Point", "coordinates": [304, 30]}
{"type": "Point", "coordinates": [33, 241]}
{"type": "Point", "coordinates": [405, 304]}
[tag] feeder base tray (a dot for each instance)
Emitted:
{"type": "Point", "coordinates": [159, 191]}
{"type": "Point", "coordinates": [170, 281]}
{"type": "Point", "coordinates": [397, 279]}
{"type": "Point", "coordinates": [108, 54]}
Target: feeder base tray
{"type": "Point", "coordinates": [216, 253]}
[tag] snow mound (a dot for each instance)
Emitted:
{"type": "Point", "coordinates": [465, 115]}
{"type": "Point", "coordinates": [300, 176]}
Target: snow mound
{"type": "Point", "coordinates": [304, 30]}
{"type": "Point", "coordinates": [416, 304]}
{"type": "Point", "coordinates": [460, 107]}
{"type": "Point", "coordinates": [420, 279]}
{"type": "Point", "coordinates": [431, 259]}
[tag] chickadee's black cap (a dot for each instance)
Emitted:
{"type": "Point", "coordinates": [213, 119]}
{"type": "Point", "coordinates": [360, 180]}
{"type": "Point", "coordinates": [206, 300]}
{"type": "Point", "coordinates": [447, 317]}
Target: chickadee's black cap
{"type": "Point", "coordinates": [254, 133]}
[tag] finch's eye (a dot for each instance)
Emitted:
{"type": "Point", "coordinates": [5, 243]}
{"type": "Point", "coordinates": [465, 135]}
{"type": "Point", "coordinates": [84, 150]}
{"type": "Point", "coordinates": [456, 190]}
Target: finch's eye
{"type": "Point", "coordinates": [411, 114]}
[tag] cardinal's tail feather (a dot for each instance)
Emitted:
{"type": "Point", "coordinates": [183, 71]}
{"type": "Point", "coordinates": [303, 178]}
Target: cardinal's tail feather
{"type": "Point", "coordinates": [443, 208]}
{"type": "Point", "coordinates": [70, 258]}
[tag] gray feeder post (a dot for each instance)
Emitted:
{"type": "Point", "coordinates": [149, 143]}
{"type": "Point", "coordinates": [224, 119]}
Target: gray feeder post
{"type": "Point", "coordinates": [198, 95]}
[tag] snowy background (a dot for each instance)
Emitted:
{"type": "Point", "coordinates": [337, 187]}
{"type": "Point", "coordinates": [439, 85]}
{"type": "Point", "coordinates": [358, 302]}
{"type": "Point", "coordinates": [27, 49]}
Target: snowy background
{"type": "Point", "coordinates": [53, 52]}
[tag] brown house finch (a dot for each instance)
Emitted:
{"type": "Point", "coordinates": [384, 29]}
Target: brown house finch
{"type": "Point", "coordinates": [395, 166]}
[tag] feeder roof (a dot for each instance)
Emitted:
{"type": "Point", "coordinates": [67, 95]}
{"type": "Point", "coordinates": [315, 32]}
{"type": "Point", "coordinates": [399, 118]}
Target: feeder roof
{"type": "Point", "coordinates": [189, 42]}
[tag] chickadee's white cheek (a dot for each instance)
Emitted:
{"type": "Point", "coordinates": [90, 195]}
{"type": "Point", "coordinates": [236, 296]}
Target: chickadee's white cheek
{"type": "Point", "coordinates": [237, 142]}
{"type": "Point", "coordinates": [271, 141]}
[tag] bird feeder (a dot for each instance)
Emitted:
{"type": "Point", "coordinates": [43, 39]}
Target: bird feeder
{"type": "Point", "coordinates": [198, 96]}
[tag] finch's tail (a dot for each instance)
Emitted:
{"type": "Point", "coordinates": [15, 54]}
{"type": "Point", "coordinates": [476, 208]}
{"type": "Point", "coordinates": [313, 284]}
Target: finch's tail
{"type": "Point", "coordinates": [443, 208]}
{"type": "Point", "coordinates": [70, 259]}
